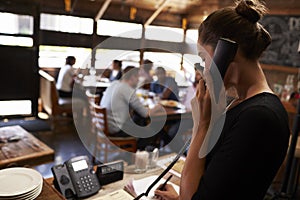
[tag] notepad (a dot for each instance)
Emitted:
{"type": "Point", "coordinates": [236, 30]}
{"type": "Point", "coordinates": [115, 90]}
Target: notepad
{"type": "Point", "coordinates": [117, 195]}
{"type": "Point", "coordinates": [142, 185]}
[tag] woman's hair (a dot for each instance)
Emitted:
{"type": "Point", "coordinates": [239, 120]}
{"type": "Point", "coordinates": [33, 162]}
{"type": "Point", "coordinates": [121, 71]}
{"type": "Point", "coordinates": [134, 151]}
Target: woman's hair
{"type": "Point", "coordinates": [240, 24]}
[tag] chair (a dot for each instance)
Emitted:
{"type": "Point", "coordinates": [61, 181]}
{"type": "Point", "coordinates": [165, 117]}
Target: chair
{"type": "Point", "coordinates": [50, 100]}
{"type": "Point", "coordinates": [93, 98]}
{"type": "Point", "coordinates": [104, 141]}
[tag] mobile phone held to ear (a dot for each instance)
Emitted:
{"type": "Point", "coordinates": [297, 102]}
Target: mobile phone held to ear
{"type": "Point", "coordinates": [223, 56]}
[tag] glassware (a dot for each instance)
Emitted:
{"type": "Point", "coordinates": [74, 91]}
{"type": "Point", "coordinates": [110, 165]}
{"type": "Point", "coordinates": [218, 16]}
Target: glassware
{"type": "Point", "coordinates": [141, 161]}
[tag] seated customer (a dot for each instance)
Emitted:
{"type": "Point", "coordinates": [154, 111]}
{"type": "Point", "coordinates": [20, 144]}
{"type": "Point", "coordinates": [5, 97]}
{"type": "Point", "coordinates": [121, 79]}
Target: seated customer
{"type": "Point", "coordinates": [191, 91]}
{"type": "Point", "coordinates": [120, 101]}
{"type": "Point", "coordinates": [116, 72]}
{"type": "Point", "coordinates": [65, 80]}
{"type": "Point", "coordinates": [166, 87]}
{"type": "Point", "coordinates": [145, 77]}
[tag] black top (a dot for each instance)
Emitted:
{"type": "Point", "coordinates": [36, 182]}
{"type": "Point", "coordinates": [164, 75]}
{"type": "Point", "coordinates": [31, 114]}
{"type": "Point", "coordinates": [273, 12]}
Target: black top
{"type": "Point", "coordinates": [250, 150]}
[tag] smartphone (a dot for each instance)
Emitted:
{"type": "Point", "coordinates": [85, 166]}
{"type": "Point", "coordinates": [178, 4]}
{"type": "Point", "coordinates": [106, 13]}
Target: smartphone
{"type": "Point", "coordinates": [199, 67]}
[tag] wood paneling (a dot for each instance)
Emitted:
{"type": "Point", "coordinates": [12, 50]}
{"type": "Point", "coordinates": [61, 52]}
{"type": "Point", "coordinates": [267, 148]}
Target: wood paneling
{"type": "Point", "coordinates": [119, 9]}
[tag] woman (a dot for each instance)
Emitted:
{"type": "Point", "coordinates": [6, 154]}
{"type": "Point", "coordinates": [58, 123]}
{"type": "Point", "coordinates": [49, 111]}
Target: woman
{"type": "Point", "coordinates": [254, 138]}
{"type": "Point", "coordinates": [66, 78]}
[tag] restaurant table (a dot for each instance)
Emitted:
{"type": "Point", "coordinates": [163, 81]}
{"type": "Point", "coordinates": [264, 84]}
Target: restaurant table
{"type": "Point", "coordinates": [112, 187]}
{"type": "Point", "coordinates": [98, 84]}
{"type": "Point", "coordinates": [27, 150]}
{"type": "Point", "coordinates": [173, 113]}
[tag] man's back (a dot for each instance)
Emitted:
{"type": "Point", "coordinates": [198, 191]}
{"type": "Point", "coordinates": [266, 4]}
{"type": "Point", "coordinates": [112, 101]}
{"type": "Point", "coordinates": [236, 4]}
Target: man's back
{"type": "Point", "coordinates": [118, 99]}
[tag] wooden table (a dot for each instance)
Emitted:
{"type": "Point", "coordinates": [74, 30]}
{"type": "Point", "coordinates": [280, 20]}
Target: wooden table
{"type": "Point", "coordinates": [49, 193]}
{"type": "Point", "coordinates": [28, 151]}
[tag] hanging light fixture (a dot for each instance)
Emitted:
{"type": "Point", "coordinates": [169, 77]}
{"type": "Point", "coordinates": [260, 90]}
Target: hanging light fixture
{"type": "Point", "coordinates": [68, 5]}
{"type": "Point", "coordinates": [133, 11]}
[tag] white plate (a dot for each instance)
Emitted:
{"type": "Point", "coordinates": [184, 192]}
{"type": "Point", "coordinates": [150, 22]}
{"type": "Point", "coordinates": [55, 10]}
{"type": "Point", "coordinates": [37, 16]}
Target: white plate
{"type": "Point", "coordinates": [26, 196]}
{"type": "Point", "coordinates": [18, 181]}
{"type": "Point", "coordinates": [169, 103]}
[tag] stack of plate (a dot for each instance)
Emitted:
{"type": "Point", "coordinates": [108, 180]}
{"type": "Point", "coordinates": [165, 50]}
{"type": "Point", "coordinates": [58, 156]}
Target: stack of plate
{"type": "Point", "coordinates": [20, 183]}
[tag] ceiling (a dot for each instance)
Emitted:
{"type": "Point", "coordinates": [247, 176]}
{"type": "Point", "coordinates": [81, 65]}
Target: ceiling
{"type": "Point", "coordinates": [159, 12]}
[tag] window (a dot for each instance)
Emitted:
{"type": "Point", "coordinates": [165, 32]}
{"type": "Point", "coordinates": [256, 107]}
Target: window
{"type": "Point", "coordinates": [17, 107]}
{"type": "Point", "coordinates": [164, 33]}
{"type": "Point", "coordinates": [169, 61]}
{"type": "Point", "coordinates": [188, 64]}
{"type": "Point", "coordinates": [16, 24]}
{"type": "Point", "coordinates": [119, 29]}
{"type": "Point", "coordinates": [67, 24]}
{"type": "Point", "coordinates": [54, 56]}
{"type": "Point", "coordinates": [104, 58]}
{"type": "Point", "coordinates": [16, 41]}
{"type": "Point", "coordinates": [192, 36]}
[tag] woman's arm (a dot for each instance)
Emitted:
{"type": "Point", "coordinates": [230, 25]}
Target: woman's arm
{"type": "Point", "coordinates": [194, 166]}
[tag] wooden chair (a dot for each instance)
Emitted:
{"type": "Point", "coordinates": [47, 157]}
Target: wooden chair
{"type": "Point", "coordinates": [105, 143]}
{"type": "Point", "coordinates": [50, 100]}
{"type": "Point", "coordinates": [93, 98]}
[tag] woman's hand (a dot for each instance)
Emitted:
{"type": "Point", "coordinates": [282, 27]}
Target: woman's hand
{"type": "Point", "coordinates": [168, 193]}
{"type": "Point", "coordinates": [204, 103]}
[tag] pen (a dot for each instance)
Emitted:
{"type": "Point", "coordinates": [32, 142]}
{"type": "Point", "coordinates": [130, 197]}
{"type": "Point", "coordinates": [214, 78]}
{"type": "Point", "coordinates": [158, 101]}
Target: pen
{"type": "Point", "coordinates": [165, 183]}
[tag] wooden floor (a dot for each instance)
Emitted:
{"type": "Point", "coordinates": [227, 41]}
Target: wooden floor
{"type": "Point", "coordinates": [65, 141]}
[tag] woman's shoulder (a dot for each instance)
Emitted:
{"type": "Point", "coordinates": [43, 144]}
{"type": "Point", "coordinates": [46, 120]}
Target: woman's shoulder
{"type": "Point", "coordinates": [263, 104]}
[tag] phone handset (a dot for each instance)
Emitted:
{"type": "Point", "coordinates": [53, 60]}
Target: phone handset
{"type": "Point", "coordinates": [223, 56]}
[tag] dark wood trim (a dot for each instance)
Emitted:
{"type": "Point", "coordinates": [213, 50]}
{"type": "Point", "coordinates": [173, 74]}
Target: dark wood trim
{"type": "Point", "coordinates": [279, 68]}
{"type": "Point", "coordinates": [65, 39]}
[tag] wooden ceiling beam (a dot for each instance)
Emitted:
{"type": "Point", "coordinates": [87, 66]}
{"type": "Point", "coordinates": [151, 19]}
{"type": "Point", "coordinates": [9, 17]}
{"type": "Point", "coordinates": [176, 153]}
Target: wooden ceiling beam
{"type": "Point", "coordinates": [102, 10]}
{"type": "Point", "coordinates": [156, 13]}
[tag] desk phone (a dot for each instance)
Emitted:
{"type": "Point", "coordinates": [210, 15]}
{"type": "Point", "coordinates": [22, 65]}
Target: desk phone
{"type": "Point", "coordinates": [76, 178]}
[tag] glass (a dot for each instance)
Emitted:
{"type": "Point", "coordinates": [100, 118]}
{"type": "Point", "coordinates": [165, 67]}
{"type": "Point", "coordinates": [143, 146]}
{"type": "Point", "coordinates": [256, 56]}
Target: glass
{"type": "Point", "coordinates": [141, 161]}
{"type": "Point", "coordinates": [153, 157]}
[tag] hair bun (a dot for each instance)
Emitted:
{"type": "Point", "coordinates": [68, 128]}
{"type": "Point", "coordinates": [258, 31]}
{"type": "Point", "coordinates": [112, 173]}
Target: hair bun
{"type": "Point", "coordinates": [251, 10]}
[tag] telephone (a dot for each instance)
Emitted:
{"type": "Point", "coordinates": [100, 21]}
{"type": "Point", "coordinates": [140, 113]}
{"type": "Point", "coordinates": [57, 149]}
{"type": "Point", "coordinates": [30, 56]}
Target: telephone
{"type": "Point", "coordinates": [223, 56]}
{"type": "Point", "coordinates": [76, 178]}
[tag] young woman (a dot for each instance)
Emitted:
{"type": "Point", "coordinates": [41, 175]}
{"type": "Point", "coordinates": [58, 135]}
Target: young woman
{"type": "Point", "coordinates": [254, 138]}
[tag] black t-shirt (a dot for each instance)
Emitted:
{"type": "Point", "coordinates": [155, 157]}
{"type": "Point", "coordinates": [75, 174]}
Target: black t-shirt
{"type": "Point", "coordinates": [250, 150]}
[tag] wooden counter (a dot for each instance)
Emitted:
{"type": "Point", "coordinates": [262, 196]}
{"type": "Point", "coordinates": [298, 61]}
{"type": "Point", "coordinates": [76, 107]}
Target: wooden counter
{"type": "Point", "coordinates": [50, 193]}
